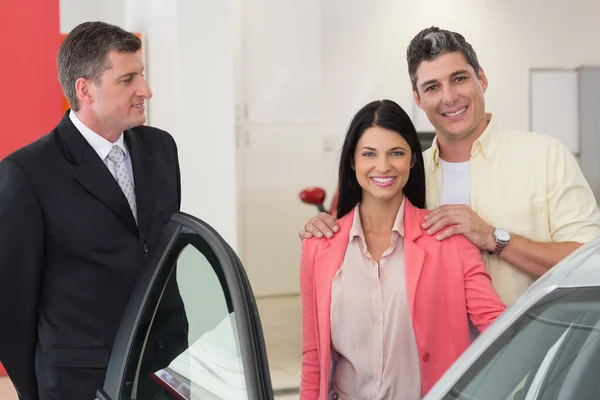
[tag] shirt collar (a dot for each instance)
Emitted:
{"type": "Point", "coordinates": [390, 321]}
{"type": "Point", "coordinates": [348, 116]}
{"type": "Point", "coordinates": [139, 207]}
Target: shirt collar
{"type": "Point", "coordinates": [357, 229]}
{"type": "Point", "coordinates": [486, 143]}
{"type": "Point", "coordinates": [97, 142]}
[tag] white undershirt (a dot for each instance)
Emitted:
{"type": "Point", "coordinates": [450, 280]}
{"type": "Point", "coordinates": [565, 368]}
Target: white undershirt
{"type": "Point", "coordinates": [456, 183]}
{"type": "Point", "coordinates": [456, 189]}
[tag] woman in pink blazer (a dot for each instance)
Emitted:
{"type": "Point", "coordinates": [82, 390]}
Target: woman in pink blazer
{"type": "Point", "coordinates": [385, 307]}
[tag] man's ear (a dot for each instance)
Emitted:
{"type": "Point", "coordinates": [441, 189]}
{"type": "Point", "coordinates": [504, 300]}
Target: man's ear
{"type": "Point", "coordinates": [417, 98]}
{"type": "Point", "coordinates": [84, 90]}
{"type": "Point", "coordinates": [483, 79]}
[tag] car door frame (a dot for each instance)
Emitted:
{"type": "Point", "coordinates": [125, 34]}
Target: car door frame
{"type": "Point", "coordinates": [145, 297]}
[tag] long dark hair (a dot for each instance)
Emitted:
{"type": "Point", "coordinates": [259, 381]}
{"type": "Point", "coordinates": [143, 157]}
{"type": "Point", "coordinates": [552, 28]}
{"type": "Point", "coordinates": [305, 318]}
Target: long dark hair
{"type": "Point", "coordinates": [388, 115]}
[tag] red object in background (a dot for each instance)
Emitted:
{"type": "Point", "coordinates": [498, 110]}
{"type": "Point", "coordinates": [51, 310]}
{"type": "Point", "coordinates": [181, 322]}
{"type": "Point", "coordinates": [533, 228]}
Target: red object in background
{"type": "Point", "coordinates": [31, 101]}
{"type": "Point", "coordinates": [30, 95]}
{"type": "Point", "coordinates": [316, 196]}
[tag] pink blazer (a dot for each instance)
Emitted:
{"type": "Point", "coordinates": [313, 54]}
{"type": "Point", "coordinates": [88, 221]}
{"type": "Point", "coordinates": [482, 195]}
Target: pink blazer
{"type": "Point", "coordinates": [447, 284]}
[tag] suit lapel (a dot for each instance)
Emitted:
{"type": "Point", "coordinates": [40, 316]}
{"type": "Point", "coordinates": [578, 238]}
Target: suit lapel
{"type": "Point", "coordinates": [143, 173]}
{"type": "Point", "coordinates": [327, 263]}
{"type": "Point", "coordinates": [93, 174]}
{"type": "Point", "coordinates": [414, 256]}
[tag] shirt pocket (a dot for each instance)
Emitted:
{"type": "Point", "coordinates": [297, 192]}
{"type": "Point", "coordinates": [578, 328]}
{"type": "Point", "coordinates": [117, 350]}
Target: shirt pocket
{"type": "Point", "coordinates": [522, 215]}
{"type": "Point", "coordinates": [78, 356]}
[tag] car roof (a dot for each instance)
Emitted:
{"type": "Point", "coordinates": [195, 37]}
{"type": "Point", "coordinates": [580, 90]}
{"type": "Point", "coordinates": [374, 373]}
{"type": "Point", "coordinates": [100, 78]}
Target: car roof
{"type": "Point", "coordinates": [580, 269]}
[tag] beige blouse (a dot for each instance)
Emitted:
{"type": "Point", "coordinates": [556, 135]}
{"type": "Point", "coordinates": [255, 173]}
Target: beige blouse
{"type": "Point", "coordinates": [373, 344]}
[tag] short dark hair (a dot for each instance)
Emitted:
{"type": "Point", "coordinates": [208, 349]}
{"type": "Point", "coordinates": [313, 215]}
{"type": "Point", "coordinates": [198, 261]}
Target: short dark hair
{"type": "Point", "coordinates": [388, 115]}
{"type": "Point", "coordinates": [431, 43]}
{"type": "Point", "coordinates": [84, 54]}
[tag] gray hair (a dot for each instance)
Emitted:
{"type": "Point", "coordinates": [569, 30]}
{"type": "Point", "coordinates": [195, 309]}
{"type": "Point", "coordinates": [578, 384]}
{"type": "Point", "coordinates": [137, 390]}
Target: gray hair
{"type": "Point", "coordinates": [84, 54]}
{"type": "Point", "coordinates": [432, 42]}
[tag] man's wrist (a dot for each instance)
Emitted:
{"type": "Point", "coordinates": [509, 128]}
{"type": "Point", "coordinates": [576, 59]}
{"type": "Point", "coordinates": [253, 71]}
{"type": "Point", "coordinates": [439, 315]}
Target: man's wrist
{"type": "Point", "coordinates": [501, 237]}
{"type": "Point", "coordinates": [491, 242]}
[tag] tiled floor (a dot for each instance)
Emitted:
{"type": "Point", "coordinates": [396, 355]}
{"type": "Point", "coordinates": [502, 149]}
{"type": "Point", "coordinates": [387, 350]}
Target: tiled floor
{"type": "Point", "coordinates": [281, 323]}
{"type": "Point", "coordinates": [282, 327]}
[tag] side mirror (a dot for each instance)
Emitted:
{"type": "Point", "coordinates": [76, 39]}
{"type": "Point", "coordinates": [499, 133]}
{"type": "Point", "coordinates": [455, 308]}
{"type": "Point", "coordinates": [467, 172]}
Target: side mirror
{"type": "Point", "coordinates": [315, 196]}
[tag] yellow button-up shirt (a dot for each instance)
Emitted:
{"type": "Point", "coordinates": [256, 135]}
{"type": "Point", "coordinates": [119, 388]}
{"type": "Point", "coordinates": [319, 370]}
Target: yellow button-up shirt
{"type": "Point", "coordinates": [528, 184]}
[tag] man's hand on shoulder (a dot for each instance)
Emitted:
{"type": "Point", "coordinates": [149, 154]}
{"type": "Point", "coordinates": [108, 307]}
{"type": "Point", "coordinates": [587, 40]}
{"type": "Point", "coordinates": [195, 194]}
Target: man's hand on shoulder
{"type": "Point", "coordinates": [460, 219]}
{"type": "Point", "coordinates": [320, 225]}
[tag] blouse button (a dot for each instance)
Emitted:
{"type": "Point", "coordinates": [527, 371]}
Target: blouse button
{"type": "Point", "coordinates": [426, 357]}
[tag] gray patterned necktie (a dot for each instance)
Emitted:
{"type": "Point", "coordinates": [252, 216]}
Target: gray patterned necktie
{"type": "Point", "coordinates": [117, 156]}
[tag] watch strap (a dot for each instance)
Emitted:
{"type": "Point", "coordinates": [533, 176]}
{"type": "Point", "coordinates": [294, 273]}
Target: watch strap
{"type": "Point", "coordinates": [500, 245]}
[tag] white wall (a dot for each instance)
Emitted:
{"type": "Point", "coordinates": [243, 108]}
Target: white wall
{"type": "Point", "coordinates": [366, 40]}
{"type": "Point", "coordinates": [74, 12]}
{"type": "Point", "coordinates": [206, 135]}
{"type": "Point", "coordinates": [282, 135]}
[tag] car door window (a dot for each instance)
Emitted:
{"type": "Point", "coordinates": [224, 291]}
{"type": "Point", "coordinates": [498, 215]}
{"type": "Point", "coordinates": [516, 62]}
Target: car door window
{"type": "Point", "coordinates": [191, 330]}
{"type": "Point", "coordinates": [550, 353]}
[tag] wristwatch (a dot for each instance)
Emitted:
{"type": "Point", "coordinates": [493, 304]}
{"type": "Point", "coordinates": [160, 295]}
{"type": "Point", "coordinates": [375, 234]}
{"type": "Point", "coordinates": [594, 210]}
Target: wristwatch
{"type": "Point", "coordinates": [502, 237]}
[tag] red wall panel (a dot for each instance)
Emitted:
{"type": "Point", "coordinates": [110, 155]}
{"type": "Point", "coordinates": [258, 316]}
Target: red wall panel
{"type": "Point", "coordinates": [30, 96]}
{"type": "Point", "coordinates": [31, 101]}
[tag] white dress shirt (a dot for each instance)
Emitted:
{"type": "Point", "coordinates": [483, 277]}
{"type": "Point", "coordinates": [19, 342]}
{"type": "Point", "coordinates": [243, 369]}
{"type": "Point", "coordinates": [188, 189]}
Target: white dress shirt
{"type": "Point", "coordinates": [103, 146]}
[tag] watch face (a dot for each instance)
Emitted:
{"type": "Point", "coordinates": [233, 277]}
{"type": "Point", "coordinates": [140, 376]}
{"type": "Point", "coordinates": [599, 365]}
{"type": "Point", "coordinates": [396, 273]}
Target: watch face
{"type": "Point", "coordinates": [502, 235]}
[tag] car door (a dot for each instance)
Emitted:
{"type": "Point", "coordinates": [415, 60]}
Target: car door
{"type": "Point", "coordinates": [191, 329]}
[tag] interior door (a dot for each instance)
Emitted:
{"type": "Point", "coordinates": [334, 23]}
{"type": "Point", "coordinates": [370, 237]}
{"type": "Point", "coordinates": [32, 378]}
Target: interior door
{"type": "Point", "coordinates": [191, 329]}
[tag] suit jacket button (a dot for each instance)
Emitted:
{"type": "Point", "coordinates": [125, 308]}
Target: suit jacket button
{"type": "Point", "coordinates": [426, 357]}
{"type": "Point", "coordinates": [145, 248]}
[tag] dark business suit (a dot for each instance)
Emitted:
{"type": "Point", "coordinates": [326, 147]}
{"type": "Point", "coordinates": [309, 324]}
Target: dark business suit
{"type": "Point", "coordinates": [70, 254]}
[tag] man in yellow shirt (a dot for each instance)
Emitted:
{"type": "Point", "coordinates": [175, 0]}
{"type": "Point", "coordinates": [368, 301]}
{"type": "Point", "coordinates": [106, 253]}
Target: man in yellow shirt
{"type": "Point", "coordinates": [518, 196]}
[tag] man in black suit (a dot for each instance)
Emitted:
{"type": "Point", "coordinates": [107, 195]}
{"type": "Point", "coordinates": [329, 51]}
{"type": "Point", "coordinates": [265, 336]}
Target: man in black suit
{"type": "Point", "coordinates": [80, 210]}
